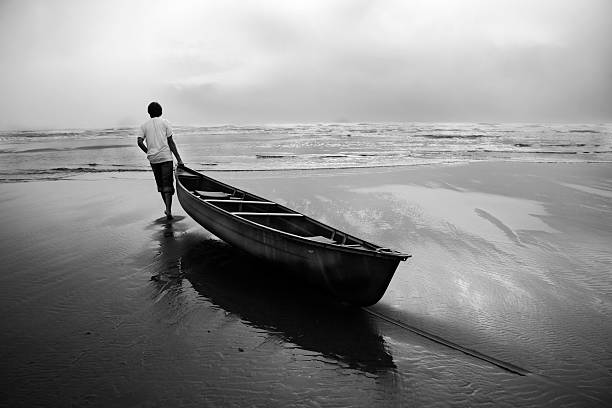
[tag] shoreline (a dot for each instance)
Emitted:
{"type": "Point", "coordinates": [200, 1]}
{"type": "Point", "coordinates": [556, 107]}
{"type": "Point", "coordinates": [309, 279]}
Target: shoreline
{"type": "Point", "coordinates": [81, 171]}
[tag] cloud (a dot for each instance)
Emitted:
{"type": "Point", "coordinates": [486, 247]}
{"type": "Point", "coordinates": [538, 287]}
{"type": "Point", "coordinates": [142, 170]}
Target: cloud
{"type": "Point", "coordinates": [73, 63]}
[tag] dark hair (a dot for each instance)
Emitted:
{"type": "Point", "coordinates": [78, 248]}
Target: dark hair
{"type": "Point", "coordinates": [154, 109]}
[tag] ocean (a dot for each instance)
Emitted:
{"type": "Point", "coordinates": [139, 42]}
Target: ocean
{"type": "Point", "coordinates": [506, 300]}
{"type": "Point", "coordinates": [56, 154]}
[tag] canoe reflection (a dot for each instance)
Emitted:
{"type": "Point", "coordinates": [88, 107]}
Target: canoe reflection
{"type": "Point", "coordinates": [266, 299]}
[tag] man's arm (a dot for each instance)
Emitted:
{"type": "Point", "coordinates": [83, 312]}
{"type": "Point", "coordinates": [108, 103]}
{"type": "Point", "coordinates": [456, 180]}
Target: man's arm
{"type": "Point", "coordinates": [174, 150]}
{"type": "Point", "coordinates": [141, 144]}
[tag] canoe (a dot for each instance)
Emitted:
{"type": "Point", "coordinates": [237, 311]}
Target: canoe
{"type": "Point", "coordinates": [351, 269]}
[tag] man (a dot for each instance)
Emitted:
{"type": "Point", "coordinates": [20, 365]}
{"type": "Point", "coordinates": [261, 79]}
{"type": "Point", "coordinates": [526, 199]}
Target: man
{"type": "Point", "coordinates": [159, 147]}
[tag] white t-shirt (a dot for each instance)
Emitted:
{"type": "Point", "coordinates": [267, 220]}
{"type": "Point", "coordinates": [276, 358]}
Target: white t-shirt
{"type": "Point", "coordinates": [156, 132]}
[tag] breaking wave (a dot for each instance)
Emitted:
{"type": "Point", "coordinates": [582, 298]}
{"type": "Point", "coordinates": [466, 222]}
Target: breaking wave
{"type": "Point", "coordinates": [65, 153]}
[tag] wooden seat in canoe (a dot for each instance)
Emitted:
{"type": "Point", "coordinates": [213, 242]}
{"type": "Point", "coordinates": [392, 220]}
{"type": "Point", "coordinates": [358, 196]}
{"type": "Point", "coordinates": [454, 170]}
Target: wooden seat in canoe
{"type": "Point", "coordinates": [258, 214]}
{"type": "Point", "coordinates": [211, 194]}
{"type": "Point", "coordinates": [240, 201]}
{"type": "Point", "coordinates": [322, 239]}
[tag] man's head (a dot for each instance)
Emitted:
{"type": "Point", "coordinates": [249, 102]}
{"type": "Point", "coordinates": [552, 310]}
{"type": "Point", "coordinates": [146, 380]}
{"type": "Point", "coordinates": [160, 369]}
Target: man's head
{"type": "Point", "coordinates": [154, 109]}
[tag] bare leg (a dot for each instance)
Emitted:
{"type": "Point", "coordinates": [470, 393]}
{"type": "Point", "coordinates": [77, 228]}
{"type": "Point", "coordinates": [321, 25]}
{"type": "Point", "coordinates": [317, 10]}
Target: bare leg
{"type": "Point", "coordinates": [168, 202]}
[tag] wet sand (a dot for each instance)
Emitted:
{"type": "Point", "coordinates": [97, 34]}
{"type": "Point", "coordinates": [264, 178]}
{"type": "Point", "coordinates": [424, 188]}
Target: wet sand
{"type": "Point", "coordinates": [510, 260]}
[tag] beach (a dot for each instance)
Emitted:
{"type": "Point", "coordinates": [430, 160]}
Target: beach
{"type": "Point", "coordinates": [107, 304]}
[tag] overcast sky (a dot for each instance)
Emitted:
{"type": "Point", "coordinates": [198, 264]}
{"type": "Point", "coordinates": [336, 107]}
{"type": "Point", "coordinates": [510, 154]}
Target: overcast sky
{"type": "Point", "coordinates": [96, 64]}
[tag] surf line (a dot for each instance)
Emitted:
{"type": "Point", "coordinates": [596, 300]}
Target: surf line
{"type": "Point", "coordinates": [473, 353]}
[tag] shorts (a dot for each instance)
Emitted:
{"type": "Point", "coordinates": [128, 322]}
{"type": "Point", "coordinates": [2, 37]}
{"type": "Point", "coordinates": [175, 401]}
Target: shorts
{"type": "Point", "coordinates": [164, 176]}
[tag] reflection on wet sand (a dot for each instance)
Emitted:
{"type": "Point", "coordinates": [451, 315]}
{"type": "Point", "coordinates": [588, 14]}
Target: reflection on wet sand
{"type": "Point", "coordinates": [264, 298]}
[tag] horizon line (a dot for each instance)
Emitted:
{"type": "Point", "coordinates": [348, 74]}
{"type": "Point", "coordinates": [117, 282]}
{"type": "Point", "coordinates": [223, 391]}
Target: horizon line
{"type": "Point", "coordinates": [311, 123]}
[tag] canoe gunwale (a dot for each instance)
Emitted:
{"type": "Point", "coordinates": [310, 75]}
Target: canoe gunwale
{"type": "Point", "coordinates": [380, 252]}
{"type": "Point", "coordinates": [305, 240]}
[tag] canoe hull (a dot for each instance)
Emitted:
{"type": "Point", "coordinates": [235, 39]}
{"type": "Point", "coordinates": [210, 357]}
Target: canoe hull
{"type": "Point", "coordinates": [354, 276]}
